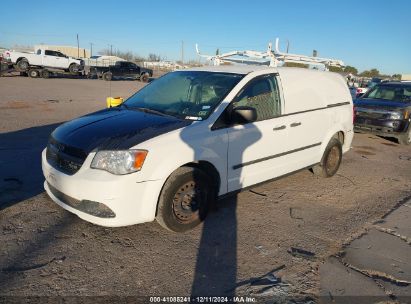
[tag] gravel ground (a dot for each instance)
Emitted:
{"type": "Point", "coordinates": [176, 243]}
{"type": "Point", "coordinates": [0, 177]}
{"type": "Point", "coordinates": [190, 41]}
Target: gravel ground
{"type": "Point", "coordinates": [243, 248]}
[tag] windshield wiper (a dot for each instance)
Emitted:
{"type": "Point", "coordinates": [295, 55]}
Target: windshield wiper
{"type": "Point", "coordinates": [151, 111]}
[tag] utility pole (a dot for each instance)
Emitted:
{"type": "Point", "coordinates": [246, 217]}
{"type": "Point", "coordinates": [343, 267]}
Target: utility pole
{"type": "Point", "coordinates": [110, 46]}
{"type": "Point", "coordinates": [288, 46]}
{"type": "Point", "coordinates": [182, 52]}
{"type": "Point", "coordinates": [91, 49]}
{"type": "Point", "coordinates": [78, 47]}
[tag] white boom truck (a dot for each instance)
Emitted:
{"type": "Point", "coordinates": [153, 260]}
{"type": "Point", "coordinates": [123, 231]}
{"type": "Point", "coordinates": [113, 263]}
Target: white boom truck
{"type": "Point", "coordinates": [35, 62]}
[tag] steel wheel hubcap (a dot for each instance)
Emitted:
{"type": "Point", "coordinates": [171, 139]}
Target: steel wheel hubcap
{"type": "Point", "coordinates": [186, 202]}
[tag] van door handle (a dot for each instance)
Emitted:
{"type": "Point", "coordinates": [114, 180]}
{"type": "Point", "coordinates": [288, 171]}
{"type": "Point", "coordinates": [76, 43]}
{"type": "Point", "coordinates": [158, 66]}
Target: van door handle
{"type": "Point", "coordinates": [279, 128]}
{"type": "Point", "coordinates": [295, 124]}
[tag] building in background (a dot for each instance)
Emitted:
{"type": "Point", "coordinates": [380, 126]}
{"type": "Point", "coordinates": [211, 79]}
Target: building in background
{"type": "Point", "coordinates": [71, 51]}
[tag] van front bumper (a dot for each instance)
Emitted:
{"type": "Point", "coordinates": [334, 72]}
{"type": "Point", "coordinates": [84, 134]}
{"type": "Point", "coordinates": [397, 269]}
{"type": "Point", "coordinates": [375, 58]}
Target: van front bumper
{"type": "Point", "coordinates": [100, 197]}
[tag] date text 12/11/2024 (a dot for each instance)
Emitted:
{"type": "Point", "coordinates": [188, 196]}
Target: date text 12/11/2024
{"type": "Point", "coordinates": [199, 299]}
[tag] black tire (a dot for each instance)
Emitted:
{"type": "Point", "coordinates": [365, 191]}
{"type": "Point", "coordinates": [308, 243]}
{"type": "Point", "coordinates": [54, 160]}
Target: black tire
{"type": "Point", "coordinates": [185, 199]}
{"type": "Point", "coordinates": [23, 65]}
{"type": "Point", "coordinates": [107, 76]}
{"type": "Point", "coordinates": [144, 77]}
{"type": "Point", "coordinates": [45, 74]}
{"type": "Point", "coordinates": [331, 160]}
{"type": "Point", "coordinates": [405, 139]}
{"type": "Point", "coordinates": [74, 68]}
{"type": "Point", "coordinates": [34, 73]}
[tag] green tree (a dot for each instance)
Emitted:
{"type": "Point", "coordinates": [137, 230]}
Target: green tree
{"type": "Point", "coordinates": [374, 72]}
{"type": "Point", "coordinates": [370, 73]}
{"type": "Point", "coordinates": [396, 76]}
{"type": "Point", "coordinates": [335, 69]}
{"type": "Point", "coordinates": [295, 65]}
{"type": "Point", "coordinates": [351, 69]}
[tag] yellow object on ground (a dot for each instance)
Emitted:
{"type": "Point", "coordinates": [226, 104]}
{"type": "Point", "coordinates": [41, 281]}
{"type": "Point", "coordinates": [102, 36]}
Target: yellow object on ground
{"type": "Point", "coordinates": [114, 101]}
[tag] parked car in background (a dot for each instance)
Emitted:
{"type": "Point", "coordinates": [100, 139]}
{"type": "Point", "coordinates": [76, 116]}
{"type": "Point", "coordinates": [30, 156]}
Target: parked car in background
{"type": "Point", "coordinates": [369, 85]}
{"type": "Point", "coordinates": [122, 69]}
{"type": "Point", "coordinates": [190, 136]}
{"type": "Point", "coordinates": [373, 82]}
{"type": "Point", "coordinates": [44, 58]}
{"type": "Point", "coordinates": [360, 91]}
{"type": "Point", "coordinates": [385, 110]}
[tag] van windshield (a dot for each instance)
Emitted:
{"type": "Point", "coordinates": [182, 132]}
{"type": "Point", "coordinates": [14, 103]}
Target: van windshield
{"type": "Point", "coordinates": [191, 95]}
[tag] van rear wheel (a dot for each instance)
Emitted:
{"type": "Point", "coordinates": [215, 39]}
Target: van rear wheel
{"type": "Point", "coordinates": [184, 199]}
{"type": "Point", "coordinates": [331, 160]}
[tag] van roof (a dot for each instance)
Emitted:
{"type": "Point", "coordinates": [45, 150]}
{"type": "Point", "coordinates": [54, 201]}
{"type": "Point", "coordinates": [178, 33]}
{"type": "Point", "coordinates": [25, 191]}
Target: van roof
{"type": "Point", "coordinates": [237, 69]}
{"type": "Point", "coordinates": [246, 69]}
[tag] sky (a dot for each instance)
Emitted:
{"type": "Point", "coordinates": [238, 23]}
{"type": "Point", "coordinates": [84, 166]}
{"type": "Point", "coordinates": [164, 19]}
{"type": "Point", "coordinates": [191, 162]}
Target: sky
{"type": "Point", "coordinates": [365, 34]}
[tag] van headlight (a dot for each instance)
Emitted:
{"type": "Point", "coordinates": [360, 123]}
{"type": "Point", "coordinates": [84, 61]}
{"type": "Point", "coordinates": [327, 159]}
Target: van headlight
{"type": "Point", "coordinates": [119, 162]}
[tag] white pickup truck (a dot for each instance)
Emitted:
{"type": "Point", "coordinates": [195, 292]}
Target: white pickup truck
{"type": "Point", "coordinates": [43, 58]}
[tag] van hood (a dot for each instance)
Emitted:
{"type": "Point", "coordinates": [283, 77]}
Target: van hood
{"type": "Point", "coordinates": [114, 129]}
{"type": "Point", "coordinates": [379, 103]}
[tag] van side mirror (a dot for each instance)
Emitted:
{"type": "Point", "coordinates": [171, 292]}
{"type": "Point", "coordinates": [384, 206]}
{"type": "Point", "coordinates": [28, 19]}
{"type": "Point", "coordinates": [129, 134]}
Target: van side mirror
{"type": "Point", "coordinates": [243, 114]}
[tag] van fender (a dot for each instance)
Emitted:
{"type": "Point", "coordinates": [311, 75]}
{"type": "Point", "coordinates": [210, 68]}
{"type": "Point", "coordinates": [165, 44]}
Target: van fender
{"type": "Point", "coordinates": [330, 134]}
{"type": "Point", "coordinates": [166, 166]}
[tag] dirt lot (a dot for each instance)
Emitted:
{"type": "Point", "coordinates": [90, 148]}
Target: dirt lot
{"type": "Point", "coordinates": [243, 248]}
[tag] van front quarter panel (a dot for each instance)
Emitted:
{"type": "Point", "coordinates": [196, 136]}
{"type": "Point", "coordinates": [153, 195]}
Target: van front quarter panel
{"type": "Point", "coordinates": [191, 144]}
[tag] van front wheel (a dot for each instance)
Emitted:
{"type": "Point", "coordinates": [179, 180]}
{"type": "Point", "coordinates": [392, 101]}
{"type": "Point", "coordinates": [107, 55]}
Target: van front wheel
{"type": "Point", "coordinates": [184, 199]}
{"type": "Point", "coordinates": [331, 160]}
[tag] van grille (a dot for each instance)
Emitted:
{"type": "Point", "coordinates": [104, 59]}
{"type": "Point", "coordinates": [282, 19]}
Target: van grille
{"type": "Point", "coordinates": [64, 158]}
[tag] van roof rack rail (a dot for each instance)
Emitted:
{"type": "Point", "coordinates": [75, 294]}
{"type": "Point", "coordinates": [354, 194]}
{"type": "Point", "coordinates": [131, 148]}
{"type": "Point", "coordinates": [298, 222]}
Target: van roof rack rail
{"type": "Point", "coordinates": [270, 57]}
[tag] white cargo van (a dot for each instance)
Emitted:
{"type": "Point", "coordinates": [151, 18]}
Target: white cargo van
{"type": "Point", "coordinates": [192, 136]}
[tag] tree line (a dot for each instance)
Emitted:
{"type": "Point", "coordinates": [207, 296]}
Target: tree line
{"type": "Point", "coordinates": [349, 69]}
{"type": "Point", "coordinates": [367, 73]}
{"type": "Point", "coordinates": [130, 56]}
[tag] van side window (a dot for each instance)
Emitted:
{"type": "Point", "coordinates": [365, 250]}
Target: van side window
{"type": "Point", "coordinates": [261, 94]}
{"type": "Point", "coordinates": [49, 53]}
